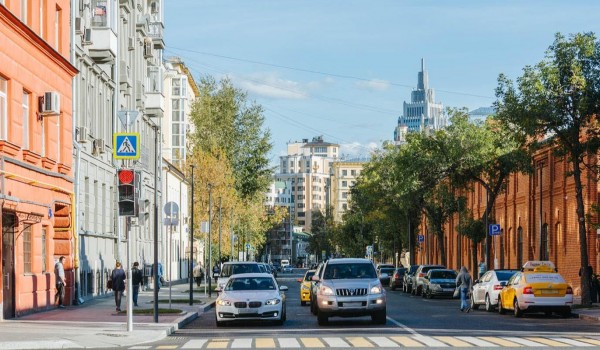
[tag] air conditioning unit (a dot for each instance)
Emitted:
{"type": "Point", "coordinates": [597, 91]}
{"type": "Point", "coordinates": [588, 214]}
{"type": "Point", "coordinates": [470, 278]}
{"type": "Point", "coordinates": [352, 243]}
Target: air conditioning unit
{"type": "Point", "coordinates": [83, 134]}
{"type": "Point", "coordinates": [79, 29]}
{"type": "Point", "coordinates": [148, 49]}
{"type": "Point", "coordinates": [99, 146]}
{"type": "Point", "coordinates": [87, 37]}
{"type": "Point", "coordinates": [131, 43]}
{"type": "Point", "coordinates": [154, 7]}
{"type": "Point", "coordinates": [50, 103]}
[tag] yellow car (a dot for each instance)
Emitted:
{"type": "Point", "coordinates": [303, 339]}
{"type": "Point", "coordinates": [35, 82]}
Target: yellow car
{"type": "Point", "coordinates": [305, 286]}
{"type": "Point", "coordinates": [538, 287]}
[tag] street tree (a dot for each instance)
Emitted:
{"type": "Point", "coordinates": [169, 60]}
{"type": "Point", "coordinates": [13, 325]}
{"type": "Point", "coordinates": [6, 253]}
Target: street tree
{"type": "Point", "coordinates": [557, 101]}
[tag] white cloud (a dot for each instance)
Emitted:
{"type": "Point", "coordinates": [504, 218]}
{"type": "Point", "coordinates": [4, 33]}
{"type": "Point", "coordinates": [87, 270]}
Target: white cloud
{"type": "Point", "coordinates": [269, 84]}
{"type": "Point", "coordinates": [357, 149]}
{"type": "Point", "coordinates": [373, 84]}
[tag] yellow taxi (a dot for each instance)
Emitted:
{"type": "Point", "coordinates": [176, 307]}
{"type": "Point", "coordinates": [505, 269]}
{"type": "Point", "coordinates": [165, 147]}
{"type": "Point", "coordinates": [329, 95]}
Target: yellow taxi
{"type": "Point", "coordinates": [538, 287]}
{"type": "Point", "coordinates": [305, 286]}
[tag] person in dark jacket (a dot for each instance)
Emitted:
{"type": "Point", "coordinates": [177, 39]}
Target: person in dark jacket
{"type": "Point", "coordinates": [464, 283]}
{"type": "Point", "coordinates": [137, 278]}
{"type": "Point", "coordinates": [118, 283]}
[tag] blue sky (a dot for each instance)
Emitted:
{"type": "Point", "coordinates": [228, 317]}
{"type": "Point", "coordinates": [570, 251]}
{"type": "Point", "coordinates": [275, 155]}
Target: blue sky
{"type": "Point", "coordinates": [343, 68]}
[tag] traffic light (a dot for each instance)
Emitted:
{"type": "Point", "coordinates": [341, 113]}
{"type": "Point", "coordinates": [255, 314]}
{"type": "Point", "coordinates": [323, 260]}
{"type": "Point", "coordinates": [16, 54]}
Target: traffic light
{"type": "Point", "coordinates": [127, 197]}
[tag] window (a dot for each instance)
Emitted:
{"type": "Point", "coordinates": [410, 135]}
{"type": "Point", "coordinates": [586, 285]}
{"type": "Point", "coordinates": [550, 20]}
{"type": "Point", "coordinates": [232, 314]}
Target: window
{"type": "Point", "coordinates": [519, 247]}
{"type": "Point", "coordinates": [344, 195]}
{"type": "Point", "coordinates": [100, 15]}
{"type": "Point", "coordinates": [27, 249]}
{"type": "Point", "coordinates": [25, 116]}
{"type": "Point", "coordinates": [345, 206]}
{"type": "Point", "coordinates": [344, 183]}
{"type": "Point", "coordinates": [3, 109]}
{"type": "Point", "coordinates": [57, 28]}
{"type": "Point", "coordinates": [353, 172]}
{"type": "Point", "coordinates": [44, 250]}
{"type": "Point", "coordinates": [344, 172]}
{"type": "Point", "coordinates": [176, 87]}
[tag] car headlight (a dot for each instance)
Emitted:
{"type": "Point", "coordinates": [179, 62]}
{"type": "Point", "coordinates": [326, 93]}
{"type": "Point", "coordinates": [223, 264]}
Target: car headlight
{"type": "Point", "coordinates": [326, 290]}
{"type": "Point", "coordinates": [224, 302]}
{"type": "Point", "coordinates": [272, 302]}
{"type": "Point", "coordinates": [305, 287]}
{"type": "Point", "coordinates": [376, 289]}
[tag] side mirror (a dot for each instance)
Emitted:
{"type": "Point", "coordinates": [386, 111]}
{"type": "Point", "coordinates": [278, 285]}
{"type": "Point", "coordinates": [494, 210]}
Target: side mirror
{"type": "Point", "coordinates": [283, 288]}
{"type": "Point", "coordinates": [299, 280]}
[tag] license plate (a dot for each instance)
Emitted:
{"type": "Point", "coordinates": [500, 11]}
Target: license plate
{"type": "Point", "coordinates": [354, 304]}
{"type": "Point", "coordinates": [549, 291]}
{"type": "Point", "coordinates": [448, 290]}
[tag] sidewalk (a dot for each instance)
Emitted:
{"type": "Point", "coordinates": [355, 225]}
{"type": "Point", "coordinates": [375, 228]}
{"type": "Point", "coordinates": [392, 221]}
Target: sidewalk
{"type": "Point", "coordinates": [96, 324]}
{"type": "Point", "coordinates": [592, 314]}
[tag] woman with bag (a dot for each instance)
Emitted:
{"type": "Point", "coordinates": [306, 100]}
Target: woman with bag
{"type": "Point", "coordinates": [118, 284]}
{"type": "Point", "coordinates": [463, 283]}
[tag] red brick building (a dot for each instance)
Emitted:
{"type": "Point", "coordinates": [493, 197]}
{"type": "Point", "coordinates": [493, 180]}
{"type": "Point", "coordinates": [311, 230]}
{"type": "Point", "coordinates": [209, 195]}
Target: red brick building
{"type": "Point", "coordinates": [36, 152]}
{"type": "Point", "coordinates": [532, 229]}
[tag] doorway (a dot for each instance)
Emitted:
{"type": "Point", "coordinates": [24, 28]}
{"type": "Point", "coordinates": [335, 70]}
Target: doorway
{"type": "Point", "coordinates": [8, 265]}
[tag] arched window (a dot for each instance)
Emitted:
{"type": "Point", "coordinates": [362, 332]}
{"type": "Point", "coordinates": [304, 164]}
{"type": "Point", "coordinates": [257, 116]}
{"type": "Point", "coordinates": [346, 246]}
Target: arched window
{"type": "Point", "coordinates": [519, 247]}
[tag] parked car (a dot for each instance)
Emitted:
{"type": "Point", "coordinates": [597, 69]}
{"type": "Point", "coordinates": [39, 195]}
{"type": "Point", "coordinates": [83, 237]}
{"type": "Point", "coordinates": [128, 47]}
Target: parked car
{"type": "Point", "coordinates": [538, 287]}
{"type": "Point", "coordinates": [439, 283]}
{"type": "Point", "coordinates": [384, 274]}
{"type": "Point", "coordinates": [397, 279]}
{"type": "Point", "coordinates": [313, 289]}
{"type": "Point", "coordinates": [408, 279]}
{"type": "Point", "coordinates": [233, 268]}
{"type": "Point", "coordinates": [418, 278]}
{"type": "Point", "coordinates": [306, 284]}
{"type": "Point", "coordinates": [381, 266]}
{"type": "Point", "coordinates": [486, 289]}
{"type": "Point", "coordinates": [277, 266]}
{"type": "Point", "coordinates": [251, 296]}
{"type": "Point", "coordinates": [349, 288]}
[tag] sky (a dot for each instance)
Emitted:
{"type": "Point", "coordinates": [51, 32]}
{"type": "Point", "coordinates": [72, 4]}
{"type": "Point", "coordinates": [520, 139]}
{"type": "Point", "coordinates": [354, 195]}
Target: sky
{"type": "Point", "coordinates": [343, 68]}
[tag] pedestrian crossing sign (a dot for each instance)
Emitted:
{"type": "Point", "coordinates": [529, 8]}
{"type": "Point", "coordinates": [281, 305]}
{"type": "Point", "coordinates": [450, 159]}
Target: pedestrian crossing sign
{"type": "Point", "coordinates": [126, 145]}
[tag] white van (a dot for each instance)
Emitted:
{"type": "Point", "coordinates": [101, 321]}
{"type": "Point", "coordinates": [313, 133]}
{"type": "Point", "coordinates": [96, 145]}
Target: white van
{"type": "Point", "coordinates": [285, 266]}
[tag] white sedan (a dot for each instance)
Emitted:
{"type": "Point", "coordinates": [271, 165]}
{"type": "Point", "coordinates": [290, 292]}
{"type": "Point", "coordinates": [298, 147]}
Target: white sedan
{"type": "Point", "coordinates": [486, 289]}
{"type": "Point", "coordinates": [251, 296]}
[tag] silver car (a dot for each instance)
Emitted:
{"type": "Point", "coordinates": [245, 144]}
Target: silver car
{"type": "Point", "coordinates": [251, 296]}
{"type": "Point", "coordinates": [349, 288]}
{"type": "Point", "coordinates": [486, 289]}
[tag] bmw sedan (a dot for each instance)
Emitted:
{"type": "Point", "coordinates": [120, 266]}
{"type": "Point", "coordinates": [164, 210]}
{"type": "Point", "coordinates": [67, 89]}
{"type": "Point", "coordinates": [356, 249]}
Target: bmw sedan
{"type": "Point", "coordinates": [251, 296]}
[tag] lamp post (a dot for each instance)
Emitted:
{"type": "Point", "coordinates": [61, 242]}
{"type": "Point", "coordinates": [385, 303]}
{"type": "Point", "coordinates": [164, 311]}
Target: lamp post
{"type": "Point", "coordinates": [155, 269]}
{"type": "Point", "coordinates": [220, 228]}
{"type": "Point", "coordinates": [542, 253]}
{"type": "Point", "coordinates": [191, 268]}
{"type": "Point", "coordinates": [209, 237]}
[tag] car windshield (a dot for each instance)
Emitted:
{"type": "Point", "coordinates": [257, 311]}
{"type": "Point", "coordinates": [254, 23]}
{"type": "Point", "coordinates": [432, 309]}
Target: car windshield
{"type": "Point", "coordinates": [504, 275]}
{"type": "Point", "coordinates": [387, 270]}
{"type": "Point", "coordinates": [250, 283]}
{"type": "Point", "coordinates": [234, 269]}
{"type": "Point", "coordinates": [350, 270]}
{"type": "Point", "coordinates": [445, 275]}
{"type": "Point", "coordinates": [309, 275]}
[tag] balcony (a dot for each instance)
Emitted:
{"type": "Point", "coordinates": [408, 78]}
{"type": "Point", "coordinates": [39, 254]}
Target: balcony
{"type": "Point", "coordinates": [155, 104]}
{"type": "Point", "coordinates": [155, 31]}
{"type": "Point", "coordinates": [103, 48]}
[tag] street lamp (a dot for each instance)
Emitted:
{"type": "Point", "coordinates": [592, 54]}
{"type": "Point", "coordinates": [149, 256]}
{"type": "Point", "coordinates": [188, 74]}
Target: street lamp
{"type": "Point", "coordinates": [210, 186]}
{"type": "Point", "coordinates": [191, 268]}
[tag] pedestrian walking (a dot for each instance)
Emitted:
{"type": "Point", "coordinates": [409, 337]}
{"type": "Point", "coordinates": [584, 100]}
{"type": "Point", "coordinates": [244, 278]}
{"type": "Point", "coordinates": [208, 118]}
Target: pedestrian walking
{"type": "Point", "coordinates": [216, 272]}
{"type": "Point", "coordinates": [482, 267]}
{"type": "Point", "coordinates": [59, 272]}
{"type": "Point", "coordinates": [198, 274]}
{"type": "Point", "coordinates": [137, 279]}
{"type": "Point", "coordinates": [160, 275]}
{"type": "Point", "coordinates": [464, 282]}
{"type": "Point", "coordinates": [118, 283]}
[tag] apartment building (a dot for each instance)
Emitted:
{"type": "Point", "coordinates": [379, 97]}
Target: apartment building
{"type": "Point", "coordinates": [343, 178]}
{"type": "Point", "coordinates": [36, 163]}
{"type": "Point", "coordinates": [307, 167]}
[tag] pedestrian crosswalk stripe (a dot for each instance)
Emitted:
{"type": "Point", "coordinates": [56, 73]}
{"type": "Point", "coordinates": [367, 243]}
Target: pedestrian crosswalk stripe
{"type": "Point", "coordinates": [501, 342]}
{"type": "Point", "coordinates": [288, 343]}
{"type": "Point", "coordinates": [360, 342]}
{"type": "Point", "coordinates": [454, 342]}
{"type": "Point", "coordinates": [478, 342]}
{"type": "Point", "coordinates": [548, 342]}
{"type": "Point", "coordinates": [312, 343]}
{"type": "Point", "coordinates": [523, 341]}
{"type": "Point", "coordinates": [336, 342]}
{"type": "Point", "coordinates": [218, 344]}
{"type": "Point", "coordinates": [140, 347]}
{"type": "Point", "coordinates": [572, 342]}
{"type": "Point", "coordinates": [406, 341]}
{"type": "Point", "coordinates": [265, 343]}
{"type": "Point", "coordinates": [383, 342]}
{"type": "Point", "coordinates": [194, 344]}
{"type": "Point", "coordinates": [587, 340]}
{"type": "Point", "coordinates": [244, 343]}
{"type": "Point", "coordinates": [429, 341]}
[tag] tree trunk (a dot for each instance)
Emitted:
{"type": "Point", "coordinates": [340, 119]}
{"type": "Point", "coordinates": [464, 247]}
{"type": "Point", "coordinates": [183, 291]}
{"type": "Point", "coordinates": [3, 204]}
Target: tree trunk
{"type": "Point", "coordinates": [585, 282]}
{"type": "Point", "coordinates": [474, 258]}
{"type": "Point", "coordinates": [442, 249]}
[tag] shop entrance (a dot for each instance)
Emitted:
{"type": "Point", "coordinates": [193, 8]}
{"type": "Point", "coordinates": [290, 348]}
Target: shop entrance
{"type": "Point", "coordinates": [8, 265]}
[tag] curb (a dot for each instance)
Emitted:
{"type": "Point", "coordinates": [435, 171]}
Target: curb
{"type": "Point", "coordinates": [588, 317]}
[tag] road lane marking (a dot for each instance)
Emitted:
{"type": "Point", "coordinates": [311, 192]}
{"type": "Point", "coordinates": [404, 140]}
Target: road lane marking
{"type": "Point", "coordinates": [477, 341]}
{"type": "Point", "coordinates": [406, 341]}
{"type": "Point", "coordinates": [589, 340]}
{"type": "Point", "coordinates": [288, 343]}
{"type": "Point", "coordinates": [547, 341]}
{"type": "Point", "coordinates": [429, 341]}
{"type": "Point", "coordinates": [312, 343]}
{"type": "Point", "coordinates": [336, 342]}
{"type": "Point", "coordinates": [502, 342]}
{"type": "Point", "coordinates": [454, 342]}
{"type": "Point", "coordinates": [383, 342]}
{"type": "Point", "coordinates": [360, 342]}
{"type": "Point", "coordinates": [571, 342]}
{"type": "Point", "coordinates": [523, 341]}
{"type": "Point", "coordinates": [263, 343]}
{"type": "Point", "coordinates": [243, 343]}
{"type": "Point", "coordinates": [194, 344]}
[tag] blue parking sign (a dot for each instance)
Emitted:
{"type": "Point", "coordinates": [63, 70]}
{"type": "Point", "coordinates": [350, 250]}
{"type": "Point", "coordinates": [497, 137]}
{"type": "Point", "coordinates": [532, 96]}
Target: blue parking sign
{"type": "Point", "coordinates": [494, 229]}
{"type": "Point", "coordinates": [421, 238]}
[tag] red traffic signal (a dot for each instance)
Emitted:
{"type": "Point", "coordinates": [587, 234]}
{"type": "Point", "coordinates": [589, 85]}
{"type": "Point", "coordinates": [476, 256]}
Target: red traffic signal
{"type": "Point", "coordinates": [126, 176]}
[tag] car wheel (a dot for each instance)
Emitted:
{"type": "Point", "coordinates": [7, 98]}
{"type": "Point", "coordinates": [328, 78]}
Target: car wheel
{"type": "Point", "coordinates": [220, 323]}
{"type": "Point", "coordinates": [379, 317]}
{"type": "Point", "coordinates": [473, 305]}
{"type": "Point", "coordinates": [488, 304]}
{"type": "Point", "coordinates": [322, 318]}
{"type": "Point", "coordinates": [303, 303]}
{"type": "Point", "coordinates": [518, 312]}
{"type": "Point", "coordinates": [501, 310]}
